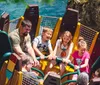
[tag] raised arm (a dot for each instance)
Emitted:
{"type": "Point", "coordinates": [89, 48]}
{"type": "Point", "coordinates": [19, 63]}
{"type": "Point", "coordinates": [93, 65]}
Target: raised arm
{"type": "Point", "coordinates": [57, 44]}
{"type": "Point", "coordinates": [50, 47]}
{"type": "Point", "coordinates": [30, 50]}
{"type": "Point", "coordinates": [69, 54]}
{"type": "Point", "coordinates": [70, 50]}
{"type": "Point", "coordinates": [17, 49]}
{"type": "Point", "coordinates": [39, 53]}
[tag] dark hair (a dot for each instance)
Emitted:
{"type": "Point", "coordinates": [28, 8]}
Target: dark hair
{"type": "Point", "coordinates": [26, 23]}
{"type": "Point", "coordinates": [80, 38]}
{"type": "Point", "coordinates": [98, 71]}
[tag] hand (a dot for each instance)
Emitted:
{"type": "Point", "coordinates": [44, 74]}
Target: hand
{"type": "Point", "coordinates": [66, 61]}
{"type": "Point", "coordinates": [36, 62]}
{"type": "Point", "coordinates": [54, 57]}
{"type": "Point", "coordinates": [76, 67]}
{"type": "Point", "coordinates": [50, 57]}
{"type": "Point", "coordinates": [24, 58]}
{"type": "Point", "coordinates": [42, 56]}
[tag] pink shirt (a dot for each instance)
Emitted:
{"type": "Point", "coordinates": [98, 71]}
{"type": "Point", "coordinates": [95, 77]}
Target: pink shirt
{"type": "Point", "coordinates": [81, 60]}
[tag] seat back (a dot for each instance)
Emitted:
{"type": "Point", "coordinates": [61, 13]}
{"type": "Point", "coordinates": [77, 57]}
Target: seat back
{"type": "Point", "coordinates": [5, 45]}
{"type": "Point", "coordinates": [52, 79]}
{"type": "Point", "coordinates": [32, 14]}
{"type": "Point", "coordinates": [69, 21]}
{"type": "Point", "coordinates": [4, 22]}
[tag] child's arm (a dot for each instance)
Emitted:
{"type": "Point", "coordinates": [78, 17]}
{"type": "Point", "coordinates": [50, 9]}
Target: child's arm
{"type": "Point", "coordinates": [69, 51]}
{"type": "Point", "coordinates": [36, 49]}
{"type": "Point", "coordinates": [57, 43]}
{"type": "Point", "coordinates": [53, 53]}
{"type": "Point", "coordinates": [50, 50]}
{"type": "Point", "coordinates": [50, 47]}
{"type": "Point", "coordinates": [85, 64]}
{"type": "Point", "coordinates": [66, 60]}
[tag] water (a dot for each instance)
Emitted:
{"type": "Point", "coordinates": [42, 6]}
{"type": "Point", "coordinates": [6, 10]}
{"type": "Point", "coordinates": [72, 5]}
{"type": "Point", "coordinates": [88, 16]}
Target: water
{"type": "Point", "coordinates": [15, 10]}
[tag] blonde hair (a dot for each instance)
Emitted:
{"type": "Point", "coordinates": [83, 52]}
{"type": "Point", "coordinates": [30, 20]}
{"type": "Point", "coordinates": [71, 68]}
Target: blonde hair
{"type": "Point", "coordinates": [82, 44]}
{"type": "Point", "coordinates": [80, 38]}
{"type": "Point", "coordinates": [47, 29]}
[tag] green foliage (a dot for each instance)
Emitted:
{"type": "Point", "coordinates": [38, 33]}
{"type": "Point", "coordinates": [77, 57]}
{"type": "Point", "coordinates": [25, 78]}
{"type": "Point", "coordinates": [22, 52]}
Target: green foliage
{"type": "Point", "coordinates": [17, 1]}
{"type": "Point", "coordinates": [2, 0]}
{"type": "Point", "coordinates": [13, 1]}
{"type": "Point", "coordinates": [47, 1]}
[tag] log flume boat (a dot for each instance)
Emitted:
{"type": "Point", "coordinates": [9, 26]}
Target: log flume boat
{"type": "Point", "coordinates": [10, 63]}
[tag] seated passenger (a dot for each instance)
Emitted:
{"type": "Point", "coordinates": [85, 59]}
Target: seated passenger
{"type": "Point", "coordinates": [63, 49]}
{"type": "Point", "coordinates": [42, 45]}
{"type": "Point", "coordinates": [21, 44]}
{"type": "Point", "coordinates": [96, 73]}
{"type": "Point", "coordinates": [81, 58]}
{"type": "Point", "coordinates": [83, 79]}
{"type": "Point", "coordinates": [79, 39]}
{"type": "Point", "coordinates": [95, 80]}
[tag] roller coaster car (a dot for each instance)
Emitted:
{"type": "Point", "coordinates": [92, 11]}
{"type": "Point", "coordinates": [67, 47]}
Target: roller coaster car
{"type": "Point", "coordinates": [53, 77]}
{"type": "Point", "coordinates": [66, 23]}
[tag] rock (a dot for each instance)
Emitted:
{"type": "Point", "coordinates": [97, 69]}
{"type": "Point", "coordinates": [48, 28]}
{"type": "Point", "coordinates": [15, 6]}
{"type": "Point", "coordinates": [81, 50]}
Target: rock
{"type": "Point", "coordinates": [89, 12]}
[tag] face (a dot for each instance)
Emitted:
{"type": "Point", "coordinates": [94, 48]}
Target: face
{"type": "Point", "coordinates": [66, 38]}
{"type": "Point", "coordinates": [82, 50]}
{"type": "Point", "coordinates": [47, 36]}
{"type": "Point", "coordinates": [26, 30]}
{"type": "Point", "coordinates": [96, 73]}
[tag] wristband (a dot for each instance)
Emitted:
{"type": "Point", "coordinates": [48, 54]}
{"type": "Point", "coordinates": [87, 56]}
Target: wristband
{"type": "Point", "coordinates": [79, 67]}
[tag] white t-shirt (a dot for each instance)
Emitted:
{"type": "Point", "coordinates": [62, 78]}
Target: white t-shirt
{"type": "Point", "coordinates": [60, 47]}
{"type": "Point", "coordinates": [42, 46]}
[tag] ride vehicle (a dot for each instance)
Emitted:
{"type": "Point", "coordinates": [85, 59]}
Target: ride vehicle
{"type": "Point", "coordinates": [11, 74]}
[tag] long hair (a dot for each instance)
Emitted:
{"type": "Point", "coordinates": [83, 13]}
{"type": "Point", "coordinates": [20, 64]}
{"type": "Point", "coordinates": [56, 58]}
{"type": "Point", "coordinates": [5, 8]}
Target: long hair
{"type": "Point", "coordinates": [70, 36]}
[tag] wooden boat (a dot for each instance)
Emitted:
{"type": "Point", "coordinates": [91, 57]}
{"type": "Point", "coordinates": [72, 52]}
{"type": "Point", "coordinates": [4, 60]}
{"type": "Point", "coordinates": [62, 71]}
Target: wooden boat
{"type": "Point", "coordinates": [11, 74]}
